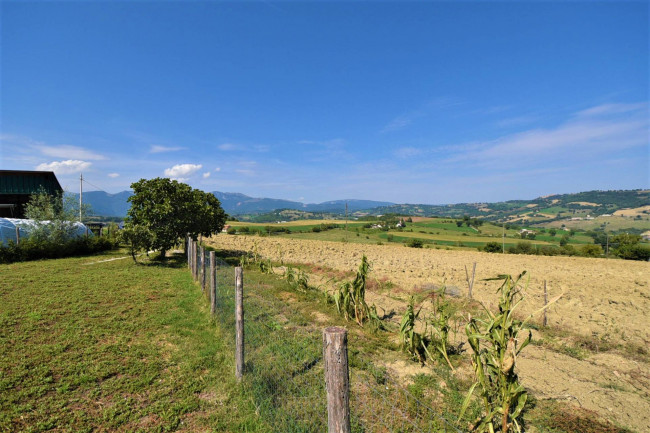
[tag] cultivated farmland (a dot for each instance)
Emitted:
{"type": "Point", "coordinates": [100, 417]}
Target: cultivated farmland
{"type": "Point", "coordinates": [594, 352]}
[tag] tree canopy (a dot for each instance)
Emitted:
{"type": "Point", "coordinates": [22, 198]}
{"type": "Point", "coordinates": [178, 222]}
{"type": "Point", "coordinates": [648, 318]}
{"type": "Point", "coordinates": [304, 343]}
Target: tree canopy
{"type": "Point", "coordinates": [167, 211]}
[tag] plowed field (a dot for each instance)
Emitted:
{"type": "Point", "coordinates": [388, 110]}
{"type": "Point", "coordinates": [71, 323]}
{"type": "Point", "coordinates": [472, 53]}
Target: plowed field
{"type": "Point", "coordinates": [604, 299]}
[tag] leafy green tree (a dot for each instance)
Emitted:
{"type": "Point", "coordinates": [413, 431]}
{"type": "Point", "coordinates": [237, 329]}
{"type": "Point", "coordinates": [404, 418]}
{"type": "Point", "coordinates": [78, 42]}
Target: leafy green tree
{"type": "Point", "coordinates": [55, 217]}
{"type": "Point", "coordinates": [137, 237]}
{"type": "Point", "coordinates": [170, 210]}
{"type": "Point", "coordinates": [552, 232]}
{"type": "Point", "coordinates": [628, 246]}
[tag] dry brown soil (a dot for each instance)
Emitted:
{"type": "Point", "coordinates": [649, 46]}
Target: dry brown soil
{"type": "Point", "coordinates": [602, 299]}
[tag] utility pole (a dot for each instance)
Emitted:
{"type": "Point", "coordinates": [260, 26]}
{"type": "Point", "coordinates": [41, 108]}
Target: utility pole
{"type": "Point", "coordinates": [607, 248]}
{"type": "Point", "coordinates": [346, 218]}
{"type": "Point", "coordinates": [503, 247]}
{"type": "Point", "coordinates": [81, 187]}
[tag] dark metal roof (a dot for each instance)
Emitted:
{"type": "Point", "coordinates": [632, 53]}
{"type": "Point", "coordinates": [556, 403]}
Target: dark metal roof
{"type": "Point", "coordinates": [28, 182]}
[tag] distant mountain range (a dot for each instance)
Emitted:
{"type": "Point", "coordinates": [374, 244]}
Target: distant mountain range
{"type": "Point", "coordinates": [116, 205]}
{"type": "Point", "coordinates": [540, 209]}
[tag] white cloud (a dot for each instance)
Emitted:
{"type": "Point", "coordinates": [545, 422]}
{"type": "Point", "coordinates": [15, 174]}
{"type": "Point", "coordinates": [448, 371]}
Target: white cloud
{"type": "Point", "coordinates": [606, 109]}
{"type": "Point", "coordinates": [408, 152]}
{"type": "Point", "coordinates": [583, 136]}
{"type": "Point", "coordinates": [67, 151]}
{"type": "Point", "coordinates": [427, 109]}
{"type": "Point", "coordinates": [64, 167]}
{"type": "Point", "coordinates": [182, 170]}
{"type": "Point", "coordinates": [206, 175]}
{"type": "Point", "coordinates": [399, 122]}
{"type": "Point", "coordinates": [113, 175]}
{"type": "Point", "coordinates": [160, 149]}
{"type": "Point", "coordinates": [227, 146]}
{"type": "Point", "coordinates": [218, 169]}
{"type": "Point", "coordinates": [262, 148]}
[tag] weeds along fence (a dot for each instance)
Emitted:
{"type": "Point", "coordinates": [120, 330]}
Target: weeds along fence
{"type": "Point", "coordinates": [284, 366]}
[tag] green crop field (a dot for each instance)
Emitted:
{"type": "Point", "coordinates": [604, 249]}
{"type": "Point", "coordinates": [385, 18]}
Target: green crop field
{"type": "Point", "coordinates": [431, 231]}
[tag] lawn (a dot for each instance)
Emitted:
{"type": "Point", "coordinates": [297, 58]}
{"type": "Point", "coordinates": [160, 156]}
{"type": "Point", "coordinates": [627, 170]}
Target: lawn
{"type": "Point", "coordinates": [112, 346]}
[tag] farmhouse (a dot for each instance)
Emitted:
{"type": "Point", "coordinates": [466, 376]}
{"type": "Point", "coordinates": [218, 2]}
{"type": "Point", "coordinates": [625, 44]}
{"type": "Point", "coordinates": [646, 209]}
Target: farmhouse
{"type": "Point", "coordinates": [17, 186]}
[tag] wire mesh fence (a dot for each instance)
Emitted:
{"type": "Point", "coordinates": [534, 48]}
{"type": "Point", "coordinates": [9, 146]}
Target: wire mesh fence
{"type": "Point", "coordinates": [284, 370]}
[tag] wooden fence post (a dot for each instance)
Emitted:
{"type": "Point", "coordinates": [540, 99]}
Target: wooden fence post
{"type": "Point", "coordinates": [192, 258]}
{"type": "Point", "coordinates": [337, 379]}
{"type": "Point", "coordinates": [17, 236]}
{"type": "Point", "coordinates": [188, 249]}
{"type": "Point", "coordinates": [239, 322]}
{"type": "Point", "coordinates": [544, 320]}
{"type": "Point", "coordinates": [203, 269]}
{"type": "Point", "coordinates": [213, 283]}
{"type": "Point", "coordinates": [470, 283]}
{"type": "Point", "coordinates": [195, 265]}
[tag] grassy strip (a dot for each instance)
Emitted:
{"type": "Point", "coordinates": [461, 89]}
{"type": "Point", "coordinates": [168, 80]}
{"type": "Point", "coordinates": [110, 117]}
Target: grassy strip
{"type": "Point", "coordinates": [113, 346]}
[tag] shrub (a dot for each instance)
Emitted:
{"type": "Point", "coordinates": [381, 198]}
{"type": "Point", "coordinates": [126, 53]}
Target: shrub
{"type": "Point", "coordinates": [522, 248]}
{"type": "Point", "coordinates": [315, 229]}
{"type": "Point", "coordinates": [591, 250]}
{"type": "Point", "coordinates": [414, 243]}
{"type": "Point", "coordinates": [493, 247]}
{"type": "Point", "coordinates": [634, 252]}
{"type": "Point", "coordinates": [36, 249]}
{"type": "Point", "coordinates": [231, 231]}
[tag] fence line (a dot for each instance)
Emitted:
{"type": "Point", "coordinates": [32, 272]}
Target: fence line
{"type": "Point", "coordinates": [284, 367]}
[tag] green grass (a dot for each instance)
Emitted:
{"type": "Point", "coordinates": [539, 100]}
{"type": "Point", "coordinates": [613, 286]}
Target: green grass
{"type": "Point", "coordinates": [111, 346]}
{"type": "Point", "coordinates": [118, 346]}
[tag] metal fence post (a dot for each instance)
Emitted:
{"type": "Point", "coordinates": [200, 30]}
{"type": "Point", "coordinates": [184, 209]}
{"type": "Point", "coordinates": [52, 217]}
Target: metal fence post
{"type": "Point", "coordinates": [239, 322]}
{"type": "Point", "coordinates": [337, 379]}
{"type": "Point", "coordinates": [213, 283]}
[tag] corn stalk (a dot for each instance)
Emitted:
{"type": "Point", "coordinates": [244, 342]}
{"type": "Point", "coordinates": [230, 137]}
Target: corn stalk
{"type": "Point", "coordinates": [502, 395]}
{"type": "Point", "coordinates": [439, 322]}
{"type": "Point", "coordinates": [350, 298]}
{"type": "Point", "coordinates": [298, 280]}
{"type": "Point", "coordinates": [412, 341]}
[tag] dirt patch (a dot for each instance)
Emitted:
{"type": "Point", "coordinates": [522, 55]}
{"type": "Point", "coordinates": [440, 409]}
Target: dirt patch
{"type": "Point", "coordinates": [643, 210]}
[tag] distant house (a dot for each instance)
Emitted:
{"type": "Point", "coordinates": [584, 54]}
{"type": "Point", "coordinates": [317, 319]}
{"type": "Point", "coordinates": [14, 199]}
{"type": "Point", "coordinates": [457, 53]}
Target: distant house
{"type": "Point", "coordinates": [526, 232]}
{"type": "Point", "coordinates": [225, 228]}
{"type": "Point", "coordinates": [645, 236]}
{"type": "Point", "coordinates": [16, 187]}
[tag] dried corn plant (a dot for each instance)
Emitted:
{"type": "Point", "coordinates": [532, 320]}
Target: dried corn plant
{"type": "Point", "coordinates": [350, 298]}
{"type": "Point", "coordinates": [495, 345]}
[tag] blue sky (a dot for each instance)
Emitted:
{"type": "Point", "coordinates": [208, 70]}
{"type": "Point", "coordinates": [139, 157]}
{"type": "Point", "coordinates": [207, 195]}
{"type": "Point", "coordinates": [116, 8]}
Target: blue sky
{"type": "Point", "coordinates": [410, 102]}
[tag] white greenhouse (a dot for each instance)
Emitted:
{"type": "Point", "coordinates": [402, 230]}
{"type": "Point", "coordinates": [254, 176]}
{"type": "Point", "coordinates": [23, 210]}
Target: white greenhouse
{"type": "Point", "coordinates": [8, 230]}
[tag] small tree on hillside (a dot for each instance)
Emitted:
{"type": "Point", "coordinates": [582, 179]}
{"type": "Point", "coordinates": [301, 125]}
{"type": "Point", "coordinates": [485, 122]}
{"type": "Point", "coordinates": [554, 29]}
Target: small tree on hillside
{"type": "Point", "coordinates": [169, 210]}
